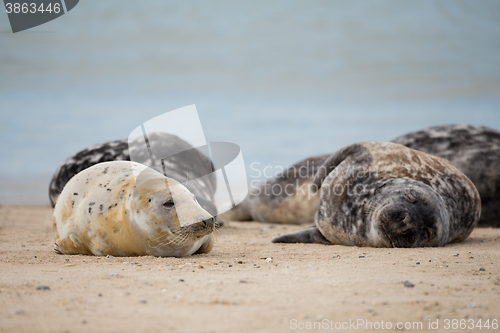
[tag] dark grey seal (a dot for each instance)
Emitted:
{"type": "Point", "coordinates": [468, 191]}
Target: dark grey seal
{"type": "Point", "coordinates": [387, 195]}
{"type": "Point", "coordinates": [184, 163]}
{"type": "Point", "coordinates": [286, 198]}
{"type": "Point", "coordinates": [474, 150]}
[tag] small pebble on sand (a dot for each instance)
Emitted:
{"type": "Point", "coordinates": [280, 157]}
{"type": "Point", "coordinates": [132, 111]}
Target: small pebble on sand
{"type": "Point", "coordinates": [408, 284]}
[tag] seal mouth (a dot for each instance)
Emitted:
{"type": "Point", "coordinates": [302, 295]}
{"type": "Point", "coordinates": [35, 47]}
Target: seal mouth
{"type": "Point", "coordinates": [395, 222]}
{"type": "Point", "coordinates": [400, 230]}
{"type": "Point", "coordinates": [182, 235]}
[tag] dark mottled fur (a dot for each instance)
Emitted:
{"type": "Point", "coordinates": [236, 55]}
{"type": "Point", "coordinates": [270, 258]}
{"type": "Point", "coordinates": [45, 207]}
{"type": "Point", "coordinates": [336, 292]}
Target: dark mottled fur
{"type": "Point", "coordinates": [181, 169]}
{"type": "Point", "coordinates": [387, 195]}
{"type": "Point", "coordinates": [474, 150]}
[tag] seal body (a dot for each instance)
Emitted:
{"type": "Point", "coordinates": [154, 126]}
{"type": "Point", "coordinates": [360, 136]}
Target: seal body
{"type": "Point", "coordinates": [105, 210]}
{"type": "Point", "coordinates": [474, 150]}
{"type": "Point", "coordinates": [191, 168]}
{"type": "Point", "coordinates": [286, 198]}
{"type": "Point", "coordinates": [388, 195]}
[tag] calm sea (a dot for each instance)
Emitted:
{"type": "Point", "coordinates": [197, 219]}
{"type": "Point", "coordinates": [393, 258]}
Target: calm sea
{"type": "Point", "coordinates": [283, 79]}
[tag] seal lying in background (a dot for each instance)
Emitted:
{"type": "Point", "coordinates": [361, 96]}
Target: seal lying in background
{"type": "Point", "coordinates": [474, 150]}
{"type": "Point", "coordinates": [286, 198]}
{"type": "Point", "coordinates": [182, 170]}
{"type": "Point", "coordinates": [388, 195]}
{"type": "Point", "coordinates": [104, 210]}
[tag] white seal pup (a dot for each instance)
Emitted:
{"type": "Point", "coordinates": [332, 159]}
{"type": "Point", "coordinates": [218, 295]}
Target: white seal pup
{"type": "Point", "coordinates": [191, 167]}
{"type": "Point", "coordinates": [105, 210]}
{"type": "Point", "coordinates": [383, 194]}
{"type": "Point", "coordinates": [474, 150]}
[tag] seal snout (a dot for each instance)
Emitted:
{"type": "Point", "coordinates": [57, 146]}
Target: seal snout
{"type": "Point", "coordinates": [209, 223]}
{"type": "Point", "coordinates": [199, 229]}
{"type": "Point", "coordinates": [407, 222]}
{"type": "Point", "coordinates": [398, 226]}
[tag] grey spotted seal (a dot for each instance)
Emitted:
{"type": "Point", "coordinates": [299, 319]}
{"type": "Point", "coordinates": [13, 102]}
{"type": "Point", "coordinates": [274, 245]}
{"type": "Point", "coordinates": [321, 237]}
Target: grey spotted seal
{"type": "Point", "coordinates": [107, 210]}
{"type": "Point", "coordinates": [388, 195]}
{"type": "Point", "coordinates": [285, 198]}
{"type": "Point", "coordinates": [191, 167]}
{"type": "Point", "coordinates": [474, 150]}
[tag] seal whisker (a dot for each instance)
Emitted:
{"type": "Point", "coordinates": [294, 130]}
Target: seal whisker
{"type": "Point", "coordinates": [426, 199]}
{"type": "Point", "coordinates": [181, 239]}
{"type": "Point", "coordinates": [174, 240]}
{"type": "Point", "coordinates": [374, 204]}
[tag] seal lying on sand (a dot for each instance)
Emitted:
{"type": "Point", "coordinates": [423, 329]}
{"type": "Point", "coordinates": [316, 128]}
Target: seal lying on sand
{"type": "Point", "coordinates": [105, 210]}
{"type": "Point", "coordinates": [286, 198]}
{"type": "Point", "coordinates": [474, 150]}
{"type": "Point", "coordinates": [191, 167]}
{"type": "Point", "coordinates": [388, 195]}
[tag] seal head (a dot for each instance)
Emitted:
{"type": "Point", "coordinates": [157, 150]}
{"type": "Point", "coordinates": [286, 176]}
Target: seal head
{"type": "Point", "coordinates": [410, 214]}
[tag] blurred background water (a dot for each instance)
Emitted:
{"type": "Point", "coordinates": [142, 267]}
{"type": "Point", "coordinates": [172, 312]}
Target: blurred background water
{"type": "Point", "coordinates": [283, 79]}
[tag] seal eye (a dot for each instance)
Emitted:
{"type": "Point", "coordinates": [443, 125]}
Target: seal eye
{"type": "Point", "coordinates": [169, 204]}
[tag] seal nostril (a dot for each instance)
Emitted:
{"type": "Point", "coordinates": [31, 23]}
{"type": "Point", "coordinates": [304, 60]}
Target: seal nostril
{"type": "Point", "coordinates": [209, 222]}
{"type": "Point", "coordinates": [169, 204]}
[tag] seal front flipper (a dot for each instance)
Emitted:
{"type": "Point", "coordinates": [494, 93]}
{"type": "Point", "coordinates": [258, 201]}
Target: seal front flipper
{"type": "Point", "coordinates": [308, 235]}
{"type": "Point", "coordinates": [56, 249]}
{"type": "Point", "coordinates": [71, 245]}
{"type": "Point", "coordinates": [207, 245]}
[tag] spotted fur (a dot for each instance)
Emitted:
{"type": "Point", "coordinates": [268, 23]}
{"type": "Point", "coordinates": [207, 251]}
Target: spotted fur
{"type": "Point", "coordinates": [388, 195]}
{"type": "Point", "coordinates": [474, 150]}
{"type": "Point", "coordinates": [105, 210]}
{"type": "Point", "coordinates": [186, 170]}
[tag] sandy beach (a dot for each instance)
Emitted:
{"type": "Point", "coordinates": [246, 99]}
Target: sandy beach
{"type": "Point", "coordinates": [234, 288]}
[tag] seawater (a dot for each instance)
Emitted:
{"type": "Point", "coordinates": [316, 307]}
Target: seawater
{"type": "Point", "coordinates": [284, 80]}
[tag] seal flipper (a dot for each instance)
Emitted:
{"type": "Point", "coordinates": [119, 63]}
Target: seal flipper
{"type": "Point", "coordinates": [308, 235]}
{"type": "Point", "coordinates": [56, 249]}
{"type": "Point", "coordinates": [71, 245]}
{"type": "Point", "coordinates": [357, 150]}
{"type": "Point", "coordinates": [206, 246]}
